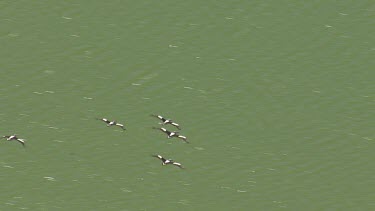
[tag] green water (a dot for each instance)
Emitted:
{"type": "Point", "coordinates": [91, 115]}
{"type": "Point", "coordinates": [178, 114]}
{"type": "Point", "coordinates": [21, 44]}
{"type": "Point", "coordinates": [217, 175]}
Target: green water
{"type": "Point", "coordinates": [276, 98]}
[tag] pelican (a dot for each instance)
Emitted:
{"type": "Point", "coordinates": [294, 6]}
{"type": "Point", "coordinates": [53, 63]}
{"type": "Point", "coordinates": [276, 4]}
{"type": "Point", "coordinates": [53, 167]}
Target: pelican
{"type": "Point", "coordinates": [111, 123]}
{"type": "Point", "coordinates": [166, 121]}
{"type": "Point", "coordinates": [172, 134]}
{"type": "Point", "coordinates": [14, 137]}
{"type": "Point", "coordinates": [167, 161]}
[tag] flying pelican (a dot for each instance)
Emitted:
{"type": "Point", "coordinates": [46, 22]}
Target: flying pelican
{"type": "Point", "coordinates": [166, 121]}
{"type": "Point", "coordinates": [14, 137]}
{"type": "Point", "coordinates": [172, 134]}
{"type": "Point", "coordinates": [167, 161]}
{"type": "Point", "coordinates": [111, 123]}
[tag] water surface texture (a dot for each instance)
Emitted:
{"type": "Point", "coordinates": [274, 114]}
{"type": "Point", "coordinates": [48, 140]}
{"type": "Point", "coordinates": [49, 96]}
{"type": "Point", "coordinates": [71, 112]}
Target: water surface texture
{"type": "Point", "coordinates": [276, 99]}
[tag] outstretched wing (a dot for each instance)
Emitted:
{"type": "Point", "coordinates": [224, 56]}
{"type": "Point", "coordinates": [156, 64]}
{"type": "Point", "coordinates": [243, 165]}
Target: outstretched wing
{"type": "Point", "coordinates": [178, 164]}
{"type": "Point", "coordinates": [104, 120]}
{"type": "Point", "coordinates": [183, 138]}
{"type": "Point", "coordinates": [161, 118]}
{"type": "Point", "coordinates": [22, 141]}
{"type": "Point", "coordinates": [165, 130]}
{"type": "Point", "coordinates": [176, 125]}
{"type": "Point", "coordinates": [120, 125]}
{"type": "Point", "coordinates": [159, 157]}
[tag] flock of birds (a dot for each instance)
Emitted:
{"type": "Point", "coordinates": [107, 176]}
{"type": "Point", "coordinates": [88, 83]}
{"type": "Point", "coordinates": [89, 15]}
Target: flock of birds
{"type": "Point", "coordinates": [165, 121]}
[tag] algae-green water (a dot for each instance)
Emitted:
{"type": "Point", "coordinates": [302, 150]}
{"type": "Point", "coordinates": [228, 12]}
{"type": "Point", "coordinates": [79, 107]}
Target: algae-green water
{"type": "Point", "coordinates": [276, 99]}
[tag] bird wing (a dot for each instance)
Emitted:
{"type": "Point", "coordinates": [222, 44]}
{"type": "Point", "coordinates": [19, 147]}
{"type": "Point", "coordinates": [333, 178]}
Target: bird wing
{"type": "Point", "coordinates": [120, 125]}
{"type": "Point", "coordinates": [162, 118]}
{"type": "Point", "coordinates": [105, 120]}
{"type": "Point", "coordinates": [183, 138]}
{"type": "Point", "coordinates": [178, 164]}
{"type": "Point", "coordinates": [158, 156]}
{"type": "Point", "coordinates": [158, 116]}
{"type": "Point", "coordinates": [161, 128]}
{"type": "Point", "coordinates": [164, 130]}
{"type": "Point", "coordinates": [22, 141]}
{"type": "Point", "coordinates": [176, 125]}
